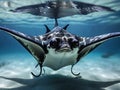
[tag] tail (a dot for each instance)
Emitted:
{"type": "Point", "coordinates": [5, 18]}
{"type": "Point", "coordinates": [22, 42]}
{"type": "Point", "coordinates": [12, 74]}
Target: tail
{"type": "Point", "coordinates": [56, 22]}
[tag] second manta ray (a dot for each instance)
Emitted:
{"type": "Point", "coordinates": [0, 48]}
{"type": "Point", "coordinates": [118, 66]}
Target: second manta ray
{"type": "Point", "coordinates": [61, 8]}
{"type": "Point", "coordinates": [58, 48]}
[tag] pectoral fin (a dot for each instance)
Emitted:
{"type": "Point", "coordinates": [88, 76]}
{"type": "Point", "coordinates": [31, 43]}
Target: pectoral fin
{"type": "Point", "coordinates": [91, 43]}
{"type": "Point", "coordinates": [34, 47]}
{"type": "Point", "coordinates": [37, 9]}
{"type": "Point", "coordinates": [86, 8]}
{"type": "Point", "coordinates": [58, 8]}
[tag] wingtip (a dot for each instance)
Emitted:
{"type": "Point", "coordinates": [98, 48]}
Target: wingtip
{"type": "Point", "coordinates": [12, 10]}
{"type": "Point", "coordinates": [110, 9]}
{"type": "Point", "coordinates": [3, 28]}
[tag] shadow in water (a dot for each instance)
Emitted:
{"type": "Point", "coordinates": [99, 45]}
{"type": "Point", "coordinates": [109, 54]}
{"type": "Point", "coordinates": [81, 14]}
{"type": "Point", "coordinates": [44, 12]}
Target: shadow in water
{"type": "Point", "coordinates": [58, 82]}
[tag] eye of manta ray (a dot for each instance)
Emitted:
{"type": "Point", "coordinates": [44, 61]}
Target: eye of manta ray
{"type": "Point", "coordinates": [58, 48]}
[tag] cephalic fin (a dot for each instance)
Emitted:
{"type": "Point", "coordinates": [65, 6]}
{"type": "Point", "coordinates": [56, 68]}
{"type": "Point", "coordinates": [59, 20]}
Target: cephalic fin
{"type": "Point", "coordinates": [47, 29]}
{"type": "Point", "coordinates": [65, 27]}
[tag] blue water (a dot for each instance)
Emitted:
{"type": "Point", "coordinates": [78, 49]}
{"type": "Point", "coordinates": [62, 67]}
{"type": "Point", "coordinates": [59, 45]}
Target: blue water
{"type": "Point", "coordinates": [16, 62]}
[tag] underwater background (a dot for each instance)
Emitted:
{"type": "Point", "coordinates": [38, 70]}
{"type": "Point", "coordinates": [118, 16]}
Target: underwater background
{"type": "Point", "coordinates": [100, 66]}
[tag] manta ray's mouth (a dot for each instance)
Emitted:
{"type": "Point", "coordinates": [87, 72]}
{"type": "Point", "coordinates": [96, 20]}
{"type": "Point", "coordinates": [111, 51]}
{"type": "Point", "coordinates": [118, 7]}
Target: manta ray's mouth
{"type": "Point", "coordinates": [64, 50]}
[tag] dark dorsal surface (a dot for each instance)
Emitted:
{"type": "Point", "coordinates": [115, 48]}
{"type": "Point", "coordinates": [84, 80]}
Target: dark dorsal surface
{"type": "Point", "coordinates": [61, 8]}
{"type": "Point", "coordinates": [58, 48]}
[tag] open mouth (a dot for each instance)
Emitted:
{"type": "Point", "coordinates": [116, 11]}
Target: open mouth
{"type": "Point", "coordinates": [64, 50]}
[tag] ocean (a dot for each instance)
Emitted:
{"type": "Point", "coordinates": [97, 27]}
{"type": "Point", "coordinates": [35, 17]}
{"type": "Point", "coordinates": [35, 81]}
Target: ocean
{"type": "Point", "coordinates": [100, 69]}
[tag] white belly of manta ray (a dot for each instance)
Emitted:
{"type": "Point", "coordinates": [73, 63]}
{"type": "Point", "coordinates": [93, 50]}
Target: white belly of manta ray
{"type": "Point", "coordinates": [56, 60]}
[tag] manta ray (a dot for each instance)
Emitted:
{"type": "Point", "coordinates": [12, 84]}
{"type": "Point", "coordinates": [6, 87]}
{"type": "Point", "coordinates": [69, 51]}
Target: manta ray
{"type": "Point", "coordinates": [61, 8]}
{"type": "Point", "coordinates": [58, 48]}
